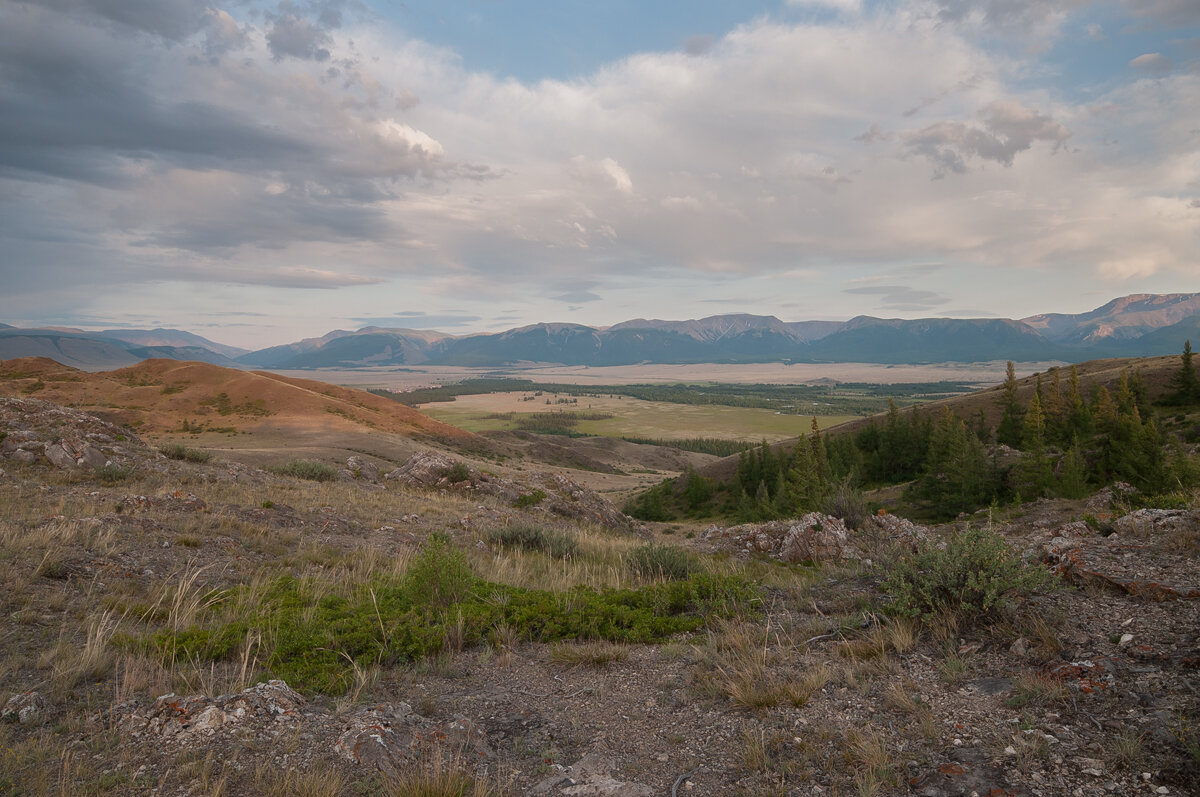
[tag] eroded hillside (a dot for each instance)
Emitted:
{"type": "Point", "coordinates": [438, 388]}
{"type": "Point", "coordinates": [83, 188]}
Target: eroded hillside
{"type": "Point", "coordinates": [184, 627]}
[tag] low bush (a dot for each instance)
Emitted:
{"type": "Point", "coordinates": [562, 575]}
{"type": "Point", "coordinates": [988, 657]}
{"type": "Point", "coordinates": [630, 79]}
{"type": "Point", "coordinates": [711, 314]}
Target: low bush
{"type": "Point", "coordinates": [113, 474]}
{"type": "Point", "coordinates": [305, 469]}
{"type": "Point", "coordinates": [181, 452]}
{"type": "Point", "coordinates": [846, 502]}
{"type": "Point", "coordinates": [554, 543]}
{"type": "Point", "coordinates": [975, 575]}
{"type": "Point", "coordinates": [529, 499]}
{"type": "Point", "coordinates": [662, 561]}
{"type": "Point", "coordinates": [315, 640]}
{"type": "Point", "coordinates": [458, 472]}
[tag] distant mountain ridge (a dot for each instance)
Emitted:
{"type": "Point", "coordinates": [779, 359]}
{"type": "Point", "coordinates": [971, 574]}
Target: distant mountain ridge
{"type": "Point", "coordinates": [112, 348]}
{"type": "Point", "coordinates": [1136, 325]}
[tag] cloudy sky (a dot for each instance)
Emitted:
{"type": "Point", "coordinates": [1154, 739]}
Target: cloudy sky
{"type": "Point", "coordinates": [257, 172]}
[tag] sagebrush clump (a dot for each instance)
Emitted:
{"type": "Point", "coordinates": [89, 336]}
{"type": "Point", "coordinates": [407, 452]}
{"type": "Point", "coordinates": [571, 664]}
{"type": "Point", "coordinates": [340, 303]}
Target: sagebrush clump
{"type": "Point", "coordinates": [974, 575]}
{"type": "Point", "coordinates": [662, 561]}
{"type": "Point", "coordinates": [305, 469]}
{"type": "Point", "coordinates": [553, 543]}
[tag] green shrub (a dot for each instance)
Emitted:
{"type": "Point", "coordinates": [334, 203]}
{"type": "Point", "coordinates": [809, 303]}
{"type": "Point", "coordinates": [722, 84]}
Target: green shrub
{"type": "Point", "coordinates": [847, 503]}
{"type": "Point", "coordinates": [662, 561]}
{"type": "Point", "coordinates": [975, 575]}
{"type": "Point", "coordinates": [440, 576]}
{"type": "Point", "coordinates": [654, 504]}
{"type": "Point", "coordinates": [317, 639]}
{"type": "Point", "coordinates": [529, 499]}
{"type": "Point", "coordinates": [458, 472]}
{"type": "Point", "coordinates": [1176, 500]}
{"type": "Point", "coordinates": [113, 474]}
{"type": "Point", "coordinates": [181, 452]}
{"type": "Point", "coordinates": [305, 469]}
{"type": "Point", "coordinates": [551, 542]}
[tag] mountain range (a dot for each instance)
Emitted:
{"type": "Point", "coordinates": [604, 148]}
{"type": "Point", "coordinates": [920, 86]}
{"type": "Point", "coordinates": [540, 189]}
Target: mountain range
{"type": "Point", "coordinates": [1136, 325]}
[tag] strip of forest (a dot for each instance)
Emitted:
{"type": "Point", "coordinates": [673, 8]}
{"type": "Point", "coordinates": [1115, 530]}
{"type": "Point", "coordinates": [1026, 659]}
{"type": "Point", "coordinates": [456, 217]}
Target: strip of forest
{"type": "Point", "coordinates": [1058, 443]}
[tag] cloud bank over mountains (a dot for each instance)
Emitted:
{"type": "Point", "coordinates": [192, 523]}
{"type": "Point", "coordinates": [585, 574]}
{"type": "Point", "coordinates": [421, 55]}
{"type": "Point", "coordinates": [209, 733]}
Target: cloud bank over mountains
{"type": "Point", "coordinates": [154, 152]}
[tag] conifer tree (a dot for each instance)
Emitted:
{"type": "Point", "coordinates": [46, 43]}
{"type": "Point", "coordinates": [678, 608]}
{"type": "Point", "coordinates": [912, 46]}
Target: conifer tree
{"type": "Point", "coordinates": [956, 475]}
{"type": "Point", "coordinates": [1072, 475]}
{"type": "Point", "coordinates": [1034, 472]}
{"type": "Point", "coordinates": [1009, 431]}
{"type": "Point", "coordinates": [1184, 382]}
{"type": "Point", "coordinates": [1103, 409]}
{"type": "Point", "coordinates": [1054, 406]}
{"type": "Point", "coordinates": [1080, 421]}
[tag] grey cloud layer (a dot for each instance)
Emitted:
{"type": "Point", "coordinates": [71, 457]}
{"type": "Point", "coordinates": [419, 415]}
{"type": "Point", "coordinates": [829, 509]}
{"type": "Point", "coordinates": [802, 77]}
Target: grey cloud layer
{"type": "Point", "coordinates": [296, 145]}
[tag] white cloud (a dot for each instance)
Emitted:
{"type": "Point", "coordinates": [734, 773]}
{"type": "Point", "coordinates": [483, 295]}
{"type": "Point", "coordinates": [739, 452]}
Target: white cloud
{"type": "Point", "coordinates": [242, 150]}
{"type": "Point", "coordinates": [1153, 63]}
{"type": "Point", "coordinates": [847, 6]}
{"type": "Point", "coordinates": [606, 172]}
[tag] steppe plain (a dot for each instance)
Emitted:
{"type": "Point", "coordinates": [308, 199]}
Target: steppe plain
{"type": "Point", "coordinates": [809, 687]}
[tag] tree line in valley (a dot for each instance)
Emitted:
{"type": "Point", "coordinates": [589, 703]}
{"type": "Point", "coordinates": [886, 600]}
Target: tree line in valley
{"type": "Point", "coordinates": [1058, 442]}
{"type": "Point", "coordinates": [843, 398]}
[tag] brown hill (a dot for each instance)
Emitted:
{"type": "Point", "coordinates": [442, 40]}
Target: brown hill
{"type": "Point", "coordinates": [164, 396]}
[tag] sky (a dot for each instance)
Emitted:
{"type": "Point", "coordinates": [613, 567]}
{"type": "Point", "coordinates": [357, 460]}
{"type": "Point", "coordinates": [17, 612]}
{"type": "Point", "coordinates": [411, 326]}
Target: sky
{"type": "Point", "coordinates": [259, 172]}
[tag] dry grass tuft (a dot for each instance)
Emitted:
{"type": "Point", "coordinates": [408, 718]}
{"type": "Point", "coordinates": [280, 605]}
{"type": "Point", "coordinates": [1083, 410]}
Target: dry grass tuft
{"type": "Point", "coordinates": [590, 654]}
{"type": "Point", "coordinates": [443, 774]}
{"type": "Point", "coordinates": [874, 768]}
{"type": "Point", "coordinates": [1039, 690]}
{"type": "Point", "coordinates": [271, 781]}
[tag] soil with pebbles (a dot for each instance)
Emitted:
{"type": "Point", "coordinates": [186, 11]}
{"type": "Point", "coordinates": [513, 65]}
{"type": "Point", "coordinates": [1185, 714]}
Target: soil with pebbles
{"type": "Point", "coordinates": [1088, 689]}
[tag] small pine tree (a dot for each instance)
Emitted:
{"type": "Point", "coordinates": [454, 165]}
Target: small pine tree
{"type": "Point", "coordinates": [1034, 472]}
{"type": "Point", "coordinates": [1185, 382]}
{"type": "Point", "coordinates": [1072, 473]}
{"type": "Point", "coordinates": [1009, 431]}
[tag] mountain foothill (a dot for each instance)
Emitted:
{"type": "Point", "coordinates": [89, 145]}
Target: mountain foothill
{"type": "Point", "coordinates": [1131, 326]}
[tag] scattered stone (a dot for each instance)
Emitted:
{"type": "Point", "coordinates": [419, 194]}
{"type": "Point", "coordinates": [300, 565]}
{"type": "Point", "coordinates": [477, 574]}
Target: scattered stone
{"type": "Point", "coordinates": [362, 469]}
{"type": "Point", "coordinates": [1102, 501]}
{"type": "Point", "coordinates": [181, 718]}
{"type": "Point", "coordinates": [66, 438]}
{"type": "Point", "coordinates": [1140, 570]}
{"type": "Point", "coordinates": [811, 538]}
{"type": "Point", "coordinates": [1087, 676]}
{"type": "Point", "coordinates": [589, 777]}
{"type": "Point", "coordinates": [991, 686]}
{"type": "Point", "coordinates": [25, 708]}
{"type": "Point", "coordinates": [564, 497]}
{"type": "Point", "coordinates": [390, 736]}
{"type": "Point", "coordinates": [176, 501]}
{"type": "Point", "coordinates": [966, 773]}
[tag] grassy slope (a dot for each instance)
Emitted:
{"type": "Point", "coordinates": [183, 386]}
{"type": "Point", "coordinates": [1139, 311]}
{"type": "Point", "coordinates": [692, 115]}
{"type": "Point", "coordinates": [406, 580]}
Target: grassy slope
{"type": "Point", "coordinates": [633, 417]}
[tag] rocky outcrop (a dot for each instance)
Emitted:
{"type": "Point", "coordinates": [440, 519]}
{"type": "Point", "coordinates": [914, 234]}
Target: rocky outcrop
{"type": "Point", "coordinates": [423, 469]}
{"type": "Point", "coordinates": [359, 469]}
{"type": "Point", "coordinates": [26, 708]}
{"type": "Point", "coordinates": [895, 529]}
{"type": "Point", "coordinates": [183, 718]}
{"type": "Point", "coordinates": [546, 492]}
{"type": "Point", "coordinates": [811, 538]}
{"type": "Point", "coordinates": [1137, 569]}
{"type": "Point", "coordinates": [40, 431]}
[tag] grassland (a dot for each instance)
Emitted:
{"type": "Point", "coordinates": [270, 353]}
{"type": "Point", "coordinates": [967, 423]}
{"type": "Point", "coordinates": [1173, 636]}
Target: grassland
{"type": "Point", "coordinates": [631, 417]}
{"type": "Point", "coordinates": [410, 377]}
